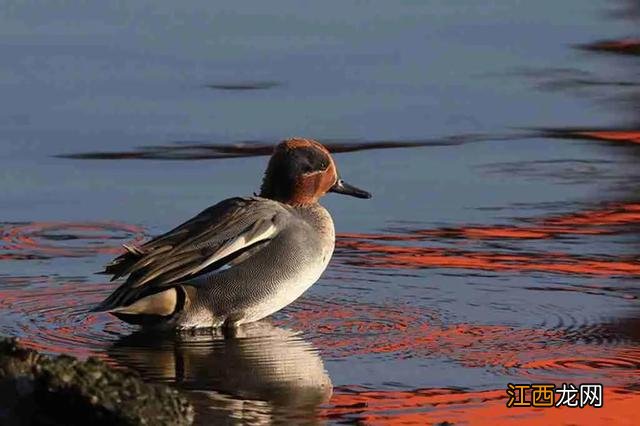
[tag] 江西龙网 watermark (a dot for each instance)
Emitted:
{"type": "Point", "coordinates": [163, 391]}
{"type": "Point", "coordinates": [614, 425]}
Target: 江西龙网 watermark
{"type": "Point", "coordinates": [550, 395]}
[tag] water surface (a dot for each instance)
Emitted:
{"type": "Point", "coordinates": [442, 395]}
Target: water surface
{"type": "Point", "coordinates": [500, 141]}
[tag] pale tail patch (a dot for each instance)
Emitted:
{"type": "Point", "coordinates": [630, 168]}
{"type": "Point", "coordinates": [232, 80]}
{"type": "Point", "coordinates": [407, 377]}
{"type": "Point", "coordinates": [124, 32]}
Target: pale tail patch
{"type": "Point", "coordinates": [163, 303]}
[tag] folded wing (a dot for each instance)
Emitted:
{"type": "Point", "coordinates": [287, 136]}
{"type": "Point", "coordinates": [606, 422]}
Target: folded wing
{"type": "Point", "coordinates": [222, 235]}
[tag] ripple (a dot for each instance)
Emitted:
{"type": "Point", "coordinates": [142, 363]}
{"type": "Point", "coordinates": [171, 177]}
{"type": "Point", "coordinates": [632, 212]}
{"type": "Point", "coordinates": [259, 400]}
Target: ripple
{"type": "Point", "coordinates": [594, 290]}
{"type": "Point", "coordinates": [351, 329]}
{"type": "Point", "coordinates": [46, 240]}
{"type": "Point", "coordinates": [588, 365]}
{"type": "Point", "coordinates": [604, 219]}
{"type": "Point", "coordinates": [51, 316]}
{"type": "Point", "coordinates": [244, 86]}
{"type": "Point", "coordinates": [198, 150]}
{"type": "Point", "coordinates": [587, 348]}
{"type": "Point", "coordinates": [20, 281]}
{"type": "Point", "coordinates": [566, 171]}
{"type": "Point", "coordinates": [631, 135]}
{"type": "Point", "coordinates": [385, 256]}
{"type": "Point", "coordinates": [565, 346]}
{"type": "Point", "coordinates": [625, 46]}
{"type": "Point", "coordinates": [604, 364]}
{"type": "Point", "coordinates": [359, 405]}
{"type": "Point", "coordinates": [416, 248]}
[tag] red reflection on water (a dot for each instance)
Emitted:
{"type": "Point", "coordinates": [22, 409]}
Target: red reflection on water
{"type": "Point", "coordinates": [617, 365]}
{"type": "Point", "coordinates": [626, 46]}
{"type": "Point", "coordinates": [578, 351]}
{"type": "Point", "coordinates": [360, 329]}
{"type": "Point", "coordinates": [589, 222]}
{"type": "Point", "coordinates": [611, 214]}
{"type": "Point", "coordinates": [356, 328]}
{"type": "Point", "coordinates": [607, 135]}
{"type": "Point", "coordinates": [632, 136]}
{"type": "Point", "coordinates": [52, 317]}
{"type": "Point", "coordinates": [365, 249]}
{"type": "Point", "coordinates": [44, 240]}
{"type": "Point", "coordinates": [394, 257]}
{"type": "Point", "coordinates": [430, 406]}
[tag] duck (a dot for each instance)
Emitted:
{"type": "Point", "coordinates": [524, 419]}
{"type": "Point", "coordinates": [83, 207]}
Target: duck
{"type": "Point", "coordinates": [240, 260]}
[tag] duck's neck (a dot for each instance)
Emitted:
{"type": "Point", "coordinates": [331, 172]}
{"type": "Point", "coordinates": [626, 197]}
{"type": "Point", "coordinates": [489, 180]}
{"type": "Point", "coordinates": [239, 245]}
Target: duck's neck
{"type": "Point", "coordinates": [287, 194]}
{"type": "Point", "coordinates": [299, 201]}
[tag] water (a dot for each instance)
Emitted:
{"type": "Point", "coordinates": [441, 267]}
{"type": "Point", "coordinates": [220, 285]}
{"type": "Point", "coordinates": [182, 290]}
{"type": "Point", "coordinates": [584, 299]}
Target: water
{"type": "Point", "coordinates": [499, 140]}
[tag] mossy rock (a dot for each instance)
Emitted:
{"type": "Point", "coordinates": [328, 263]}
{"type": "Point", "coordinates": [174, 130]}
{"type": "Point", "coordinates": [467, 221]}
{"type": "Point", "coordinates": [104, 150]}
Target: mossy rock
{"type": "Point", "coordinates": [42, 390]}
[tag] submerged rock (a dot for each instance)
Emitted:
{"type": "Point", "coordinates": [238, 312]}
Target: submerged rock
{"type": "Point", "coordinates": [42, 390]}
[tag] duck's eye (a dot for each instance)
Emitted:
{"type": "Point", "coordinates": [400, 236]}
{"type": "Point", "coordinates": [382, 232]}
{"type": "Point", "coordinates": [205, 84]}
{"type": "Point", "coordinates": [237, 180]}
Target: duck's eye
{"type": "Point", "coordinates": [310, 160]}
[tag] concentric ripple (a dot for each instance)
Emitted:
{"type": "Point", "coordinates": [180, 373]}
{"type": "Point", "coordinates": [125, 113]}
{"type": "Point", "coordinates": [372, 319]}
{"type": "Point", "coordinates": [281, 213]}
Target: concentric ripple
{"type": "Point", "coordinates": [45, 240]}
{"type": "Point", "coordinates": [349, 329]}
{"type": "Point", "coordinates": [609, 364]}
{"type": "Point", "coordinates": [625, 362]}
{"type": "Point", "coordinates": [52, 316]}
{"type": "Point", "coordinates": [565, 348]}
{"type": "Point", "coordinates": [356, 329]}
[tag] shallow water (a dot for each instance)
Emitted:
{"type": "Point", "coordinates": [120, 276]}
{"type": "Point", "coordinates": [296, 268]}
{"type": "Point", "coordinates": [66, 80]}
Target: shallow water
{"type": "Point", "coordinates": [500, 140]}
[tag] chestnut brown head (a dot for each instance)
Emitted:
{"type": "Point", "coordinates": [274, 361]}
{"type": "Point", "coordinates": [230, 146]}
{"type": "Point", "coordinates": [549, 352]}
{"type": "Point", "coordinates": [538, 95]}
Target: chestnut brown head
{"type": "Point", "coordinates": [301, 171]}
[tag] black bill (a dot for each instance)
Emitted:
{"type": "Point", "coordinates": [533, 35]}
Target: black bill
{"type": "Point", "coordinates": [342, 187]}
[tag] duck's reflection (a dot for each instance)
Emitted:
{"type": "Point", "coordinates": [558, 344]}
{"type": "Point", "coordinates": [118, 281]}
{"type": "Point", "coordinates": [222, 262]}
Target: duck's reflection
{"type": "Point", "coordinates": [258, 374]}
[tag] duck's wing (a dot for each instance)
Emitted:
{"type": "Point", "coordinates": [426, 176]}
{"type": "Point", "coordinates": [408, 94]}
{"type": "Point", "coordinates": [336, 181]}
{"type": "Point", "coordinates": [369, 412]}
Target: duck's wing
{"type": "Point", "coordinates": [221, 235]}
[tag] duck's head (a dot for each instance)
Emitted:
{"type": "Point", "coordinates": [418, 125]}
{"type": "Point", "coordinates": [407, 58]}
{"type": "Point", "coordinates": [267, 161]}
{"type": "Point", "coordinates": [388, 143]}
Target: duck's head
{"type": "Point", "coordinates": [301, 171]}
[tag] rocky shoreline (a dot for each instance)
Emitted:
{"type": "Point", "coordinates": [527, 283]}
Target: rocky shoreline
{"type": "Point", "coordinates": [45, 390]}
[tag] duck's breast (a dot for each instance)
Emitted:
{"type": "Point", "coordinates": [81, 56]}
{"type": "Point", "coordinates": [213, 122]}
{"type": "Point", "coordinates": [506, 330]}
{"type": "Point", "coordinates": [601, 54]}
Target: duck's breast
{"type": "Point", "coordinates": [277, 274]}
